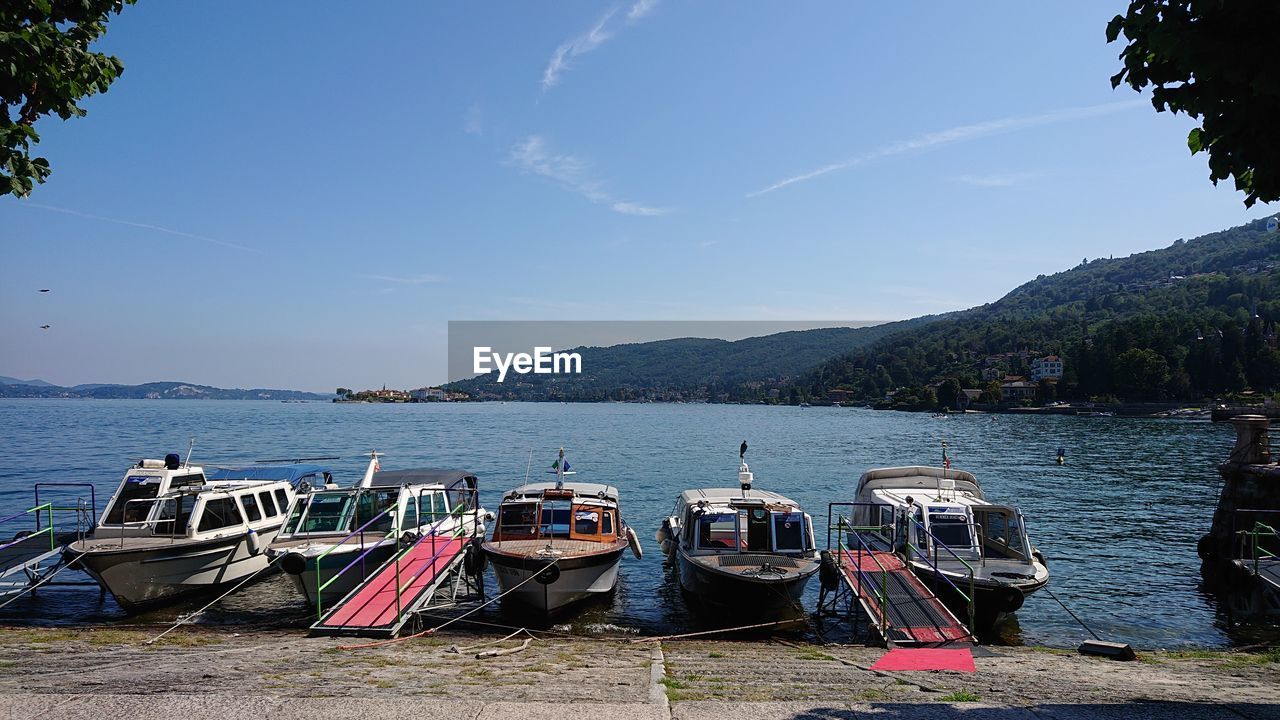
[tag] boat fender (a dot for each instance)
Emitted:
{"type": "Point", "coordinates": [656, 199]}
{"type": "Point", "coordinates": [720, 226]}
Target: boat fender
{"type": "Point", "coordinates": [474, 560]}
{"type": "Point", "coordinates": [548, 576]}
{"type": "Point", "coordinates": [668, 547]}
{"type": "Point", "coordinates": [409, 537]}
{"type": "Point", "coordinates": [1039, 557]}
{"type": "Point", "coordinates": [828, 573]}
{"type": "Point", "coordinates": [255, 542]}
{"type": "Point", "coordinates": [21, 534]}
{"type": "Point", "coordinates": [634, 542]}
{"type": "Point", "coordinates": [664, 532]}
{"type": "Point", "coordinates": [1011, 599]}
{"type": "Point", "coordinates": [293, 563]}
{"type": "Point", "coordinates": [1204, 547]}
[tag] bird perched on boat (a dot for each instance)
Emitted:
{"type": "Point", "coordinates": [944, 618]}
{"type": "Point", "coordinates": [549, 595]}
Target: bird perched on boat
{"type": "Point", "coordinates": [742, 451]}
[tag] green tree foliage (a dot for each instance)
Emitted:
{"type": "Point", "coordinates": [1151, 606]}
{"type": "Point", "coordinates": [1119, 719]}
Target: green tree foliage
{"type": "Point", "coordinates": [46, 67]}
{"type": "Point", "coordinates": [1216, 61]}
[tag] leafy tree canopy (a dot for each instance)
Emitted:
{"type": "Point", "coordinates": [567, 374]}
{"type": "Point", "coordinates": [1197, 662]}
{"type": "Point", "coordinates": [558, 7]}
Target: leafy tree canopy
{"type": "Point", "coordinates": [1216, 61]}
{"type": "Point", "coordinates": [46, 67]}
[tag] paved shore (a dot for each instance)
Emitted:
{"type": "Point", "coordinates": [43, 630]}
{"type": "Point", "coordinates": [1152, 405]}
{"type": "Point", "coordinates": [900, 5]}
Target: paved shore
{"type": "Point", "coordinates": [194, 674]}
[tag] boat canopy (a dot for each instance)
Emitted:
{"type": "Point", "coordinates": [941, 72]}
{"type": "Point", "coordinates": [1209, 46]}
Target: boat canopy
{"type": "Point", "coordinates": [578, 489]}
{"type": "Point", "coordinates": [726, 496]}
{"type": "Point", "coordinates": [917, 476]}
{"type": "Point", "coordinates": [315, 475]}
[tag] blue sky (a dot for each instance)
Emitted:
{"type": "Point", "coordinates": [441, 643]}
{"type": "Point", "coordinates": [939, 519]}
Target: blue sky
{"type": "Point", "coordinates": [275, 198]}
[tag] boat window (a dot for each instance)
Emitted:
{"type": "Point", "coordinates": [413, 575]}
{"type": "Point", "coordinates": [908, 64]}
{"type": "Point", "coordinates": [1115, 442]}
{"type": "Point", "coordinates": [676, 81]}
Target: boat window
{"type": "Point", "coordinates": [757, 520]}
{"type": "Point", "coordinates": [291, 525]}
{"type": "Point", "coordinates": [219, 513]}
{"type": "Point", "coordinates": [555, 519]}
{"type": "Point", "coordinates": [951, 532]}
{"type": "Point", "coordinates": [186, 481]}
{"type": "Point", "coordinates": [434, 508]}
{"type": "Point", "coordinates": [718, 531]}
{"type": "Point", "coordinates": [372, 502]}
{"type": "Point", "coordinates": [606, 526]}
{"type": "Point", "coordinates": [586, 520]}
{"type": "Point", "coordinates": [174, 515]}
{"type": "Point", "coordinates": [282, 499]}
{"type": "Point", "coordinates": [788, 532]}
{"type": "Point", "coordinates": [517, 519]}
{"type": "Point", "coordinates": [268, 507]}
{"type": "Point", "coordinates": [327, 512]}
{"type": "Point", "coordinates": [136, 487]}
{"type": "Point", "coordinates": [251, 510]}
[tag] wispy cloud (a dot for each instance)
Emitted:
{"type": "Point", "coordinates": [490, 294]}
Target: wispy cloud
{"type": "Point", "coordinates": [472, 123]}
{"type": "Point", "coordinates": [572, 173]}
{"type": "Point", "coordinates": [998, 180]}
{"type": "Point", "coordinates": [640, 9]}
{"type": "Point", "coordinates": [144, 226]}
{"type": "Point", "coordinates": [597, 35]}
{"type": "Point", "coordinates": [422, 279]}
{"type": "Point", "coordinates": [962, 133]}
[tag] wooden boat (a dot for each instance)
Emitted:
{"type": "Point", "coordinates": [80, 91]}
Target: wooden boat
{"type": "Point", "coordinates": [955, 540]}
{"type": "Point", "coordinates": [336, 537]}
{"type": "Point", "coordinates": [169, 532]}
{"type": "Point", "coordinates": [745, 552]}
{"type": "Point", "coordinates": [556, 543]}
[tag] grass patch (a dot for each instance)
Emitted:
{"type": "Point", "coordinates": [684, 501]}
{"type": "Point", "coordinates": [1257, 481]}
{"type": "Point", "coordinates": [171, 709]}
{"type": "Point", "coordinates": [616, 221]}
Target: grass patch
{"type": "Point", "coordinates": [1266, 657]}
{"type": "Point", "coordinates": [872, 694]}
{"type": "Point", "coordinates": [959, 696]}
{"type": "Point", "coordinates": [672, 683]}
{"type": "Point", "coordinates": [812, 654]}
{"type": "Point", "coordinates": [537, 667]}
{"type": "Point", "coordinates": [384, 684]}
{"type": "Point", "coordinates": [482, 672]}
{"type": "Point", "coordinates": [1193, 655]}
{"type": "Point", "coordinates": [714, 654]}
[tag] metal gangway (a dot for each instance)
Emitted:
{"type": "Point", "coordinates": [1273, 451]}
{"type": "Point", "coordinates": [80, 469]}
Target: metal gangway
{"type": "Point", "coordinates": [876, 578]}
{"type": "Point", "coordinates": [33, 557]}
{"type": "Point", "coordinates": [1258, 553]}
{"type": "Point", "coordinates": [426, 572]}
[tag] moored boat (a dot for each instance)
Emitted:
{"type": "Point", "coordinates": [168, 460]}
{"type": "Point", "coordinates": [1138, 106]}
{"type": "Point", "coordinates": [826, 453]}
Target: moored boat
{"type": "Point", "coordinates": [169, 532]}
{"type": "Point", "coordinates": [955, 540]}
{"type": "Point", "coordinates": [335, 537]}
{"type": "Point", "coordinates": [556, 543]}
{"type": "Point", "coordinates": [742, 552]}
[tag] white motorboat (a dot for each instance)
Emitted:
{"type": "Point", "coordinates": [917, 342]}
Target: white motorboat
{"type": "Point", "coordinates": [559, 542]}
{"type": "Point", "coordinates": [740, 552]}
{"type": "Point", "coordinates": [168, 532]}
{"type": "Point", "coordinates": [335, 537]}
{"type": "Point", "coordinates": [954, 538]}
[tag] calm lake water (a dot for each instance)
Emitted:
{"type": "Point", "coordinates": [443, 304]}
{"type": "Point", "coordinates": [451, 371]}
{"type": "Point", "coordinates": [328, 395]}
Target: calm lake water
{"type": "Point", "coordinates": [1118, 523]}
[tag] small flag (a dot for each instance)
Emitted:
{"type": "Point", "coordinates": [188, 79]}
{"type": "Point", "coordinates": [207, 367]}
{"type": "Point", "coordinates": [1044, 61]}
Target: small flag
{"type": "Point", "coordinates": [555, 466]}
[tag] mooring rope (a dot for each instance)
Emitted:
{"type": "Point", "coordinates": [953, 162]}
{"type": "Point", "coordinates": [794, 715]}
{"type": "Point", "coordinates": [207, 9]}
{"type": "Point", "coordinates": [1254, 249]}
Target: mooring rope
{"type": "Point", "coordinates": [1073, 615]}
{"type": "Point", "coordinates": [184, 619]}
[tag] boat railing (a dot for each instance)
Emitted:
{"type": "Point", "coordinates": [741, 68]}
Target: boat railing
{"type": "Point", "coordinates": [1256, 550]}
{"type": "Point", "coordinates": [933, 565]}
{"type": "Point", "coordinates": [459, 511]}
{"type": "Point", "coordinates": [86, 514]}
{"type": "Point", "coordinates": [146, 522]}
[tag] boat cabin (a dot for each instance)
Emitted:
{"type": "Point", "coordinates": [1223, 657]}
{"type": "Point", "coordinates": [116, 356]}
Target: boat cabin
{"type": "Point", "coordinates": [734, 521]}
{"type": "Point", "coordinates": [573, 511]}
{"type": "Point", "coordinates": [400, 499]}
{"type": "Point", "coordinates": [934, 508]}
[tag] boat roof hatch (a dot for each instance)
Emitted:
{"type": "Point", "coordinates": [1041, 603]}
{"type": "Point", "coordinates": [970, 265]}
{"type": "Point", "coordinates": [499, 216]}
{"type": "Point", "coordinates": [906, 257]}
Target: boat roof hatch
{"type": "Point", "coordinates": [919, 476]}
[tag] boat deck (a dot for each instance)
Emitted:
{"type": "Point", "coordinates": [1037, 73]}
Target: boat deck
{"type": "Point", "coordinates": [912, 614]}
{"type": "Point", "coordinates": [561, 547]}
{"type": "Point", "coordinates": [383, 602]}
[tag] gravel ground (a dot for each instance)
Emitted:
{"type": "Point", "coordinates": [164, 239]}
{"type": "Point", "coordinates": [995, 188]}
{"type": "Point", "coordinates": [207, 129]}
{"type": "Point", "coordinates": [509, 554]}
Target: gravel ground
{"type": "Point", "coordinates": [196, 673]}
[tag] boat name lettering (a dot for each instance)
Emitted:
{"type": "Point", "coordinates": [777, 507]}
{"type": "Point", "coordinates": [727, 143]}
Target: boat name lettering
{"type": "Point", "coordinates": [542, 362]}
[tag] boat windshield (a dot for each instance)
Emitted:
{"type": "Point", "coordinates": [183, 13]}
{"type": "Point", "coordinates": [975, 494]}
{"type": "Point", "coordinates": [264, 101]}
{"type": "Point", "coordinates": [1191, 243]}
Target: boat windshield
{"type": "Point", "coordinates": [555, 519]}
{"type": "Point", "coordinates": [516, 520]}
{"type": "Point", "coordinates": [951, 532]}
{"type": "Point", "coordinates": [135, 487]}
{"type": "Point", "coordinates": [371, 503]}
{"type": "Point", "coordinates": [789, 532]}
{"type": "Point", "coordinates": [325, 512]}
{"type": "Point", "coordinates": [174, 515]}
{"type": "Point", "coordinates": [718, 531]}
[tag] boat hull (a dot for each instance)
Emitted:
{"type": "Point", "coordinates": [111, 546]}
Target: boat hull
{"type": "Point", "coordinates": [139, 578]}
{"type": "Point", "coordinates": [765, 596]}
{"type": "Point", "coordinates": [992, 601]}
{"type": "Point", "coordinates": [578, 578]}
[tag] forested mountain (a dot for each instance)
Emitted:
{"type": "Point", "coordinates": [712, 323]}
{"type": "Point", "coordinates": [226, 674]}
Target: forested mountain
{"type": "Point", "coordinates": [1193, 320]}
{"type": "Point", "coordinates": [687, 368]}
{"type": "Point", "coordinates": [155, 391]}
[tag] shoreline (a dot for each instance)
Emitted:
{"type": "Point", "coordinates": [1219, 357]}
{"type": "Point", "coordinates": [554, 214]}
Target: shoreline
{"type": "Point", "coordinates": [219, 673]}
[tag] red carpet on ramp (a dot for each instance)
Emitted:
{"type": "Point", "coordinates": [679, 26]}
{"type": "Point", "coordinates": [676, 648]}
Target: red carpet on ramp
{"type": "Point", "coordinates": [900, 659]}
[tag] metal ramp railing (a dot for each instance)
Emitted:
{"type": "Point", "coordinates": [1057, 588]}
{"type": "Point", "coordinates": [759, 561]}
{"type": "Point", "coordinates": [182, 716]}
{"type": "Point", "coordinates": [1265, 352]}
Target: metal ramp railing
{"type": "Point", "coordinates": [414, 577]}
{"type": "Point", "coordinates": [902, 609]}
{"type": "Point", "coordinates": [32, 557]}
{"type": "Point", "coordinates": [1259, 553]}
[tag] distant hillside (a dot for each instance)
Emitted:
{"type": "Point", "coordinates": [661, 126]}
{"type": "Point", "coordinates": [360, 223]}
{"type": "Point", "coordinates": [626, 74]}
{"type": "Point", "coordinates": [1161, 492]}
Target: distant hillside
{"type": "Point", "coordinates": [1194, 320]}
{"type": "Point", "coordinates": [4, 380]}
{"type": "Point", "coordinates": [156, 390]}
{"type": "Point", "coordinates": [686, 368]}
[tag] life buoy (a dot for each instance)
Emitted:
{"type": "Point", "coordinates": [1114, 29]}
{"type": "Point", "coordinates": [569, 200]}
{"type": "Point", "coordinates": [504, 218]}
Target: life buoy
{"type": "Point", "coordinates": [548, 575]}
{"type": "Point", "coordinates": [634, 542]}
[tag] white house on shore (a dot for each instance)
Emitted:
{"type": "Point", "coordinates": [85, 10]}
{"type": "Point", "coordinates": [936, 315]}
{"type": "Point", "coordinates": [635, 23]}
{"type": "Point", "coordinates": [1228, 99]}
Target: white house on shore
{"type": "Point", "coordinates": [1048, 367]}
